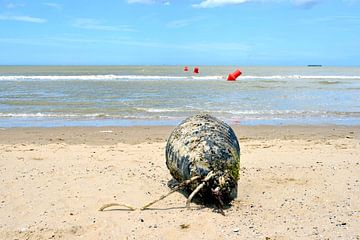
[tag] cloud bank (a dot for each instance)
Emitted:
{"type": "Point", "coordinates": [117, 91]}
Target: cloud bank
{"type": "Point", "coordinates": [141, 1]}
{"type": "Point", "coordinates": [21, 18]}
{"type": "Point", "coordinates": [165, 2]}
{"type": "Point", "coordinates": [183, 22]}
{"type": "Point", "coordinates": [94, 24]}
{"type": "Point", "coordinates": [220, 3]}
{"type": "Point", "coordinates": [306, 3]}
{"type": "Point", "coordinates": [53, 5]}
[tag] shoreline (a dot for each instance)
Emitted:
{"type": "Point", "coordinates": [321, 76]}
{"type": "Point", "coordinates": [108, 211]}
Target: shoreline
{"type": "Point", "coordinates": [296, 182]}
{"type": "Point", "coordinates": [58, 123]}
{"type": "Point", "coordinates": [141, 134]}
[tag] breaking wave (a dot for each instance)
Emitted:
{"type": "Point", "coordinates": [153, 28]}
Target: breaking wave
{"type": "Point", "coordinates": [112, 77]}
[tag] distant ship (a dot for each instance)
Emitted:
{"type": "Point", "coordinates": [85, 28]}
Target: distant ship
{"type": "Point", "coordinates": [314, 65]}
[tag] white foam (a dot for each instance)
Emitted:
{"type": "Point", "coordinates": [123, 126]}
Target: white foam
{"type": "Point", "coordinates": [111, 77]}
{"type": "Point", "coordinates": [284, 77]}
{"type": "Point", "coordinates": [89, 77]}
{"type": "Point", "coordinates": [161, 110]}
{"type": "Point", "coordinates": [235, 112]}
{"type": "Point", "coordinates": [208, 77]}
{"type": "Point", "coordinates": [50, 115]}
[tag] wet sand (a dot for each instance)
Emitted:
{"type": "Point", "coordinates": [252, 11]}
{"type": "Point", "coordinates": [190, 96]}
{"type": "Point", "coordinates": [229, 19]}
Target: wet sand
{"type": "Point", "coordinates": [296, 182]}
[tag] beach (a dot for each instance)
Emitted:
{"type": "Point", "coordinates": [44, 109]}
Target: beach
{"type": "Point", "coordinates": [296, 182]}
{"type": "Point", "coordinates": [90, 95]}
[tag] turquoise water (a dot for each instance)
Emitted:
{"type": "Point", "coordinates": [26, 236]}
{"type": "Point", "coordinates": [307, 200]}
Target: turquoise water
{"type": "Point", "coordinates": [164, 95]}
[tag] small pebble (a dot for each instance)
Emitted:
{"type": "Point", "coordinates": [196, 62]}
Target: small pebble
{"type": "Point", "coordinates": [183, 226]}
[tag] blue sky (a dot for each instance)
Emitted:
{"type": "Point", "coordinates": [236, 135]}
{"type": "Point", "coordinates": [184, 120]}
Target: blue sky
{"type": "Point", "coordinates": [180, 32]}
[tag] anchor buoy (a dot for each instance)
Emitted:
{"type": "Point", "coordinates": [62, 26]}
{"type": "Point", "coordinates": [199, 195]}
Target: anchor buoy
{"type": "Point", "coordinates": [196, 70]}
{"type": "Point", "coordinates": [234, 75]}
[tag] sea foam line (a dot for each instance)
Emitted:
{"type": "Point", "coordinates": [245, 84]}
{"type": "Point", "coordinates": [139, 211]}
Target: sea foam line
{"type": "Point", "coordinates": [104, 77]}
{"type": "Point", "coordinates": [280, 77]}
{"type": "Point", "coordinates": [87, 77]}
{"type": "Point", "coordinates": [51, 115]}
{"type": "Point", "coordinates": [110, 77]}
{"type": "Point", "coordinates": [177, 110]}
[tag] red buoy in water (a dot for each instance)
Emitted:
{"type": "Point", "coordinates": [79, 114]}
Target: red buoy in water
{"type": "Point", "coordinates": [186, 69]}
{"type": "Point", "coordinates": [234, 75]}
{"type": "Point", "coordinates": [196, 70]}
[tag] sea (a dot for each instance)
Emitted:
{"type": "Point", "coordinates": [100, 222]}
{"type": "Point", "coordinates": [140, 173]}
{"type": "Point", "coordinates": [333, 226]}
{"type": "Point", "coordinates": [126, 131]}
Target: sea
{"type": "Point", "coordinates": [55, 96]}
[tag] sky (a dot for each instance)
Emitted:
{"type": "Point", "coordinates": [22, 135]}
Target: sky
{"type": "Point", "coordinates": [180, 32]}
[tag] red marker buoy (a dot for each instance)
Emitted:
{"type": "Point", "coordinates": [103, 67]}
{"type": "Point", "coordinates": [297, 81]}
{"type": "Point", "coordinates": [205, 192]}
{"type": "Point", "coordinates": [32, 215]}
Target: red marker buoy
{"type": "Point", "coordinates": [234, 75]}
{"type": "Point", "coordinates": [186, 69]}
{"type": "Point", "coordinates": [196, 70]}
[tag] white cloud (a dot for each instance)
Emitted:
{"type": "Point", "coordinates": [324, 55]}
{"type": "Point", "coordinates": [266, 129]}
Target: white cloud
{"type": "Point", "coordinates": [165, 2]}
{"type": "Point", "coordinates": [89, 23]}
{"type": "Point", "coordinates": [53, 5]}
{"type": "Point", "coordinates": [11, 5]}
{"type": "Point", "coordinates": [21, 18]}
{"type": "Point", "coordinates": [306, 3]}
{"type": "Point", "coordinates": [94, 24]}
{"type": "Point", "coordinates": [329, 19]}
{"type": "Point", "coordinates": [182, 22]}
{"type": "Point", "coordinates": [218, 3]}
{"type": "Point", "coordinates": [141, 1]}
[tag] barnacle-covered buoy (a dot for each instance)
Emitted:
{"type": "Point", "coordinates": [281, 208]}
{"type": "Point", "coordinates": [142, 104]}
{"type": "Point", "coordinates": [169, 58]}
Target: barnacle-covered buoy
{"type": "Point", "coordinates": [203, 145]}
{"type": "Point", "coordinates": [203, 155]}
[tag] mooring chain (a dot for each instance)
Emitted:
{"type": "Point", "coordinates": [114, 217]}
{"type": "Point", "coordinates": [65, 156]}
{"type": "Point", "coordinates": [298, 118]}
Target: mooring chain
{"type": "Point", "coordinates": [199, 187]}
{"type": "Point", "coordinates": [181, 185]}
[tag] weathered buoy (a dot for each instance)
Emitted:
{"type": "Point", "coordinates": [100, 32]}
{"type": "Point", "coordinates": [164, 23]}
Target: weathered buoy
{"type": "Point", "coordinates": [196, 70]}
{"type": "Point", "coordinates": [203, 155]}
{"type": "Point", "coordinates": [234, 75]}
{"type": "Point", "coordinates": [186, 69]}
{"type": "Point", "coordinates": [203, 146]}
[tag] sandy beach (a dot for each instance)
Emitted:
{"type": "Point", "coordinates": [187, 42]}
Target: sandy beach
{"type": "Point", "coordinates": [296, 182]}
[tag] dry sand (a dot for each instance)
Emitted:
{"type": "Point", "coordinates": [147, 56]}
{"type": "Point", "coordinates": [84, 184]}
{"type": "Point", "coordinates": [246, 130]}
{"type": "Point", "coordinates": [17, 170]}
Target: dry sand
{"type": "Point", "coordinates": [296, 183]}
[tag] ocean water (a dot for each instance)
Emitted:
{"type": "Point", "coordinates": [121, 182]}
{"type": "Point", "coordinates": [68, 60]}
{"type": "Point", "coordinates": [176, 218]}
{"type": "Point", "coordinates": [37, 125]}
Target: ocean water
{"type": "Point", "coordinates": [47, 96]}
